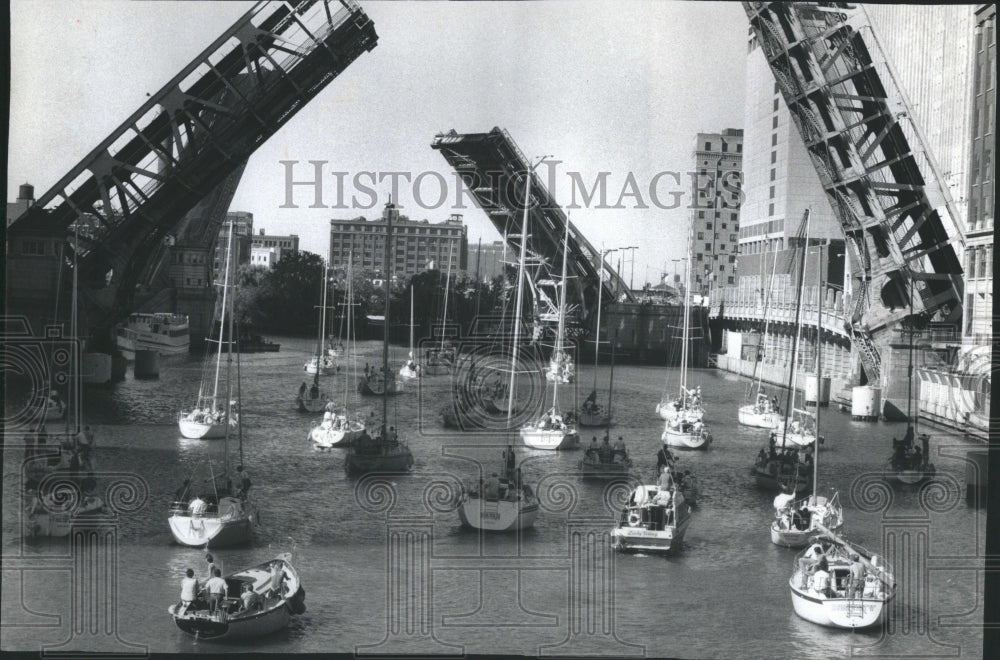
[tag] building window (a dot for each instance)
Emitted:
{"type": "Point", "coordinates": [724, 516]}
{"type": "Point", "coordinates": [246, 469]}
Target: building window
{"type": "Point", "coordinates": [772, 174]}
{"type": "Point", "coordinates": [723, 225]}
{"type": "Point", "coordinates": [774, 157]}
{"type": "Point", "coordinates": [708, 247]}
{"type": "Point", "coordinates": [774, 122]}
{"type": "Point", "coordinates": [701, 215]}
{"type": "Point", "coordinates": [708, 146]}
{"type": "Point", "coordinates": [739, 148]}
{"type": "Point", "coordinates": [770, 209]}
{"type": "Point", "coordinates": [708, 225]}
{"type": "Point", "coordinates": [701, 236]}
{"type": "Point", "coordinates": [725, 147]}
{"type": "Point", "coordinates": [730, 279]}
{"type": "Point", "coordinates": [775, 105]}
{"type": "Point", "coordinates": [774, 139]}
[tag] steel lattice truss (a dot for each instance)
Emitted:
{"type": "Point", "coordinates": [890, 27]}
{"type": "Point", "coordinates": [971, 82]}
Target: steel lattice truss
{"type": "Point", "coordinates": [493, 169]}
{"type": "Point", "coordinates": [876, 182]}
{"type": "Point", "coordinates": [134, 188]}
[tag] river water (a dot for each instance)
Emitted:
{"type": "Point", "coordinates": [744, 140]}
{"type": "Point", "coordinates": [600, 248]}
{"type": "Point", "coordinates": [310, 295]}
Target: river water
{"type": "Point", "coordinates": [388, 569]}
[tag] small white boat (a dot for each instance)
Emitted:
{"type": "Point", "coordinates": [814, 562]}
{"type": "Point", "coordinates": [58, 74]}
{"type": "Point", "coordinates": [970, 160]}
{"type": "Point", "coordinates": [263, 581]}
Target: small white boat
{"type": "Point", "coordinates": [837, 603]}
{"type": "Point", "coordinates": [686, 435]}
{"type": "Point", "coordinates": [278, 594]}
{"type": "Point", "coordinates": [653, 520]}
{"type": "Point", "coordinates": [499, 504]}
{"type": "Point", "coordinates": [202, 424]}
{"type": "Point", "coordinates": [201, 522]}
{"type": "Point", "coordinates": [761, 414]}
{"type": "Point", "coordinates": [163, 332]}
{"type": "Point", "coordinates": [327, 365]}
{"type": "Point", "coordinates": [795, 522]}
{"type": "Point", "coordinates": [550, 431]}
{"type": "Point", "coordinates": [336, 430]}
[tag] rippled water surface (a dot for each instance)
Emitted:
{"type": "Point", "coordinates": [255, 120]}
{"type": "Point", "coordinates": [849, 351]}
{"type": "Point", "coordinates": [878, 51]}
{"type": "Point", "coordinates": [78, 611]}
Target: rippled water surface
{"type": "Point", "coordinates": [724, 595]}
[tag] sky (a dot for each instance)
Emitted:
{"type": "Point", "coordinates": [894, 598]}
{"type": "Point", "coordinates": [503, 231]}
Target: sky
{"type": "Point", "coordinates": [617, 87]}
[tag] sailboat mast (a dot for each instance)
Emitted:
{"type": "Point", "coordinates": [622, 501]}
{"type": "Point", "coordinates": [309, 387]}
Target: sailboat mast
{"type": "Point", "coordinates": [909, 369]}
{"type": "Point", "coordinates": [228, 312]}
{"type": "Point", "coordinates": [447, 284]}
{"type": "Point", "coordinates": [479, 289]}
{"type": "Point", "coordinates": [767, 325]}
{"type": "Point", "coordinates": [562, 316]}
{"type": "Point", "coordinates": [613, 337]}
{"type": "Point", "coordinates": [349, 311]}
{"type": "Point", "coordinates": [597, 326]}
{"type": "Point", "coordinates": [798, 323]}
{"type": "Point", "coordinates": [819, 362]}
{"type": "Point", "coordinates": [73, 321]}
{"type": "Point", "coordinates": [519, 299]}
{"type": "Point", "coordinates": [225, 291]}
{"type": "Point", "coordinates": [684, 331]}
{"type": "Point", "coordinates": [385, 324]}
{"type": "Point", "coordinates": [411, 318]}
{"type": "Point", "coordinates": [322, 325]}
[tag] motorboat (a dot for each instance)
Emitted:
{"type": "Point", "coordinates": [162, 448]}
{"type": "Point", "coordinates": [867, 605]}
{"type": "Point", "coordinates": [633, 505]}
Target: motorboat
{"type": "Point", "coordinates": [277, 595]}
{"type": "Point", "coordinates": [834, 599]}
{"type": "Point", "coordinates": [653, 520]}
{"type": "Point", "coordinates": [163, 332]}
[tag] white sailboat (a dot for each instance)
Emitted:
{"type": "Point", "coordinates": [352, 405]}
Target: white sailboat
{"type": "Point", "coordinates": [824, 591]}
{"type": "Point", "coordinates": [441, 360]}
{"type": "Point", "coordinates": [684, 429]}
{"type": "Point", "coordinates": [219, 514]}
{"type": "Point", "coordinates": [796, 521]}
{"type": "Point", "coordinates": [410, 370]}
{"type": "Point", "coordinates": [551, 430]}
{"type": "Point", "coordinates": [762, 411]}
{"type": "Point", "coordinates": [799, 427]}
{"type": "Point", "coordinates": [592, 413]}
{"type": "Point", "coordinates": [211, 417]}
{"type": "Point", "coordinates": [561, 368]}
{"type": "Point", "coordinates": [506, 504]}
{"type": "Point", "coordinates": [686, 408]}
{"type": "Point", "coordinates": [323, 364]}
{"type": "Point", "coordinates": [340, 427]}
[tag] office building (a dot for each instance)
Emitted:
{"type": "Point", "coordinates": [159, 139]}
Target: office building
{"type": "Point", "coordinates": [487, 258]}
{"type": "Point", "coordinates": [418, 245]}
{"type": "Point", "coordinates": [715, 216]}
{"type": "Point", "coordinates": [243, 222]}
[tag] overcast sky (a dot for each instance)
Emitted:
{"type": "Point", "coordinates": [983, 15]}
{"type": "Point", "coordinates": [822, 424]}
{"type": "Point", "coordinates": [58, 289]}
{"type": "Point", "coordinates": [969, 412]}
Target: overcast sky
{"type": "Point", "coordinates": [610, 86]}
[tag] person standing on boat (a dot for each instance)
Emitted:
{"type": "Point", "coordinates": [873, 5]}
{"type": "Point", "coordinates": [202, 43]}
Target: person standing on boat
{"type": "Point", "coordinates": [605, 451]}
{"type": "Point", "coordinates": [781, 504]}
{"type": "Point", "coordinates": [619, 448]}
{"type": "Point", "coordinates": [663, 458]}
{"type": "Point", "coordinates": [593, 449]}
{"type": "Point", "coordinates": [856, 586]}
{"type": "Point", "coordinates": [666, 482]}
{"type": "Point", "coordinates": [189, 590]}
{"type": "Point", "coordinates": [302, 390]}
{"type": "Point", "coordinates": [217, 590]}
{"type": "Point", "coordinates": [821, 578]}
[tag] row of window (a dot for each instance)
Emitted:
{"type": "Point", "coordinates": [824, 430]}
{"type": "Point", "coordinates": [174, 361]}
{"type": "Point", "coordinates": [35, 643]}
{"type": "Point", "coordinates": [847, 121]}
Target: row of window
{"type": "Point", "coordinates": [979, 262]}
{"type": "Point", "coordinates": [380, 229]}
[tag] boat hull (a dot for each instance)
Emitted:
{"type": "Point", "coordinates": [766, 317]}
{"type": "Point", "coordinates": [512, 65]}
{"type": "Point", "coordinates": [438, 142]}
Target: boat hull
{"type": "Point", "coordinates": [497, 516]}
{"type": "Point", "coordinates": [325, 370]}
{"type": "Point", "coordinates": [59, 525]}
{"type": "Point", "coordinates": [791, 439]}
{"type": "Point", "coordinates": [374, 386]}
{"type": "Point", "coordinates": [748, 417]}
{"type": "Point", "coordinates": [594, 420]}
{"type": "Point", "coordinates": [769, 480]}
{"type": "Point", "coordinates": [553, 439]}
{"type": "Point", "coordinates": [686, 440]}
{"type": "Point", "coordinates": [846, 613]}
{"type": "Point", "coordinates": [408, 374]}
{"type": "Point", "coordinates": [637, 539]}
{"type": "Point", "coordinates": [201, 431]}
{"type": "Point", "coordinates": [335, 437]}
{"type": "Point", "coordinates": [233, 525]}
{"type": "Point", "coordinates": [795, 538]}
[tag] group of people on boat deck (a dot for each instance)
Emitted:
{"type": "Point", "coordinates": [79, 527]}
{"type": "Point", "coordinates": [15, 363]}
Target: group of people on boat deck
{"type": "Point", "coordinates": [858, 582]}
{"type": "Point", "coordinates": [606, 452]}
{"type": "Point", "coordinates": [553, 421]}
{"type": "Point", "coordinates": [788, 516]}
{"type": "Point", "coordinates": [908, 455]}
{"type": "Point", "coordinates": [209, 416]}
{"type": "Point", "coordinates": [207, 502]}
{"type": "Point", "coordinates": [313, 391]}
{"type": "Point", "coordinates": [684, 426]}
{"type": "Point", "coordinates": [786, 455]}
{"type": "Point", "coordinates": [765, 405]}
{"type": "Point", "coordinates": [75, 457]}
{"type": "Point", "coordinates": [212, 594]}
{"type": "Point", "coordinates": [382, 442]}
{"type": "Point", "coordinates": [692, 400]}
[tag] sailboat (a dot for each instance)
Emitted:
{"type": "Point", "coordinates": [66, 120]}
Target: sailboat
{"type": "Point", "coordinates": [505, 504]}
{"type": "Point", "coordinates": [210, 418]}
{"type": "Point", "coordinates": [45, 512]}
{"type": "Point", "coordinates": [411, 369]}
{"type": "Point", "coordinates": [795, 522]}
{"type": "Point", "coordinates": [762, 411]}
{"type": "Point", "coordinates": [799, 427]}
{"type": "Point", "coordinates": [441, 360]}
{"type": "Point", "coordinates": [561, 368]}
{"type": "Point", "coordinates": [684, 429]}
{"type": "Point", "coordinates": [218, 515]}
{"type": "Point", "coordinates": [552, 430]}
{"type": "Point", "coordinates": [835, 600]}
{"type": "Point", "coordinates": [380, 449]}
{"type": "Point", "coordinates": [786, 470]}
{"type": "Point", "coordinates": [335, 350]}
{"type": "Point", "coordinates": [339, 427]}
{"type": "Point", "coordinates": [324, 363]}
{"type": "Point", "coordinates": [592, 413]}
{"type": "Point", "coordinates": [910, 462]}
